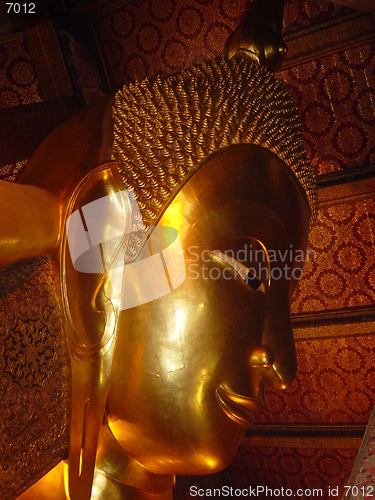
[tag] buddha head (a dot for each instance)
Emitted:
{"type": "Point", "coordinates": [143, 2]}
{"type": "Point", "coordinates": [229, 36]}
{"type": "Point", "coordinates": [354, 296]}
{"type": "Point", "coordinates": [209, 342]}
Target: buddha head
{"type": "Point", "coordinates": [213, 154]}
{"type": "Point", "coordinates": [189, 368]}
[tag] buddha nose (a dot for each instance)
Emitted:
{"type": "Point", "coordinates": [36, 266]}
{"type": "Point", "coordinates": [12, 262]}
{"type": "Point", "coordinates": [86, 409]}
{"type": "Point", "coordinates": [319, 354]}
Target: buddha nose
{"type": "Point", "coordinates": [262, 357]}
{"type": "Point", "coordinates": [271, 373]}
{"type": "Point", "coordinates": [280, 373]}
{"type": "Point", "coordinates": [278, 335]}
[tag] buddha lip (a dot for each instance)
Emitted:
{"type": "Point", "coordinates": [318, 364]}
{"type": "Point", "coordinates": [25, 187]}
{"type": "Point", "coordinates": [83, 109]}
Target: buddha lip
{"type": "Point", "coordinates": [241, 409]}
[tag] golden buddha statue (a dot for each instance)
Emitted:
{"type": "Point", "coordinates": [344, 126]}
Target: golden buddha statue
{"type": "Point", "coordinates": [207, 164]}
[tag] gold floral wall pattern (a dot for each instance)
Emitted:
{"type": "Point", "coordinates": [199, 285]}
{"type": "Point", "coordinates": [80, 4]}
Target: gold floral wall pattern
{"type": "Point", "coordinates": [33, 374]}
{"type": "Point", "coordinates": [335, 94]}
{"type": "Point", "coordinates": [20, 84]}
{"type": "Point", "coordinates": [340, 390]}
{"type": "Point", "coordinates": [340, 269]}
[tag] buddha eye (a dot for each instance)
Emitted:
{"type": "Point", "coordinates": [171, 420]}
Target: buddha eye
{"type": "Point", "coordinates": [245, 272]}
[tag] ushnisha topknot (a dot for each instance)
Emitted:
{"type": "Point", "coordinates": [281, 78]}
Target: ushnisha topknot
{"type": "Point", "coordinates": [164, 128]}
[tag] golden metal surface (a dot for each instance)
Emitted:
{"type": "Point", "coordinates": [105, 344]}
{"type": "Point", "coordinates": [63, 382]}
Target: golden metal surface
{"type": "Point", "coordinates": [191, 419]}
{"type": "Point", "coordinates": [196, 421]}
{"type": "Point", "coordinates": [259, 36]}
{"type": "Point", "coordinates": [33, 228]}
{"type": "Point", "coordinates": [91, 326]}
{"type": "Point", "coordinates": [53, 481]}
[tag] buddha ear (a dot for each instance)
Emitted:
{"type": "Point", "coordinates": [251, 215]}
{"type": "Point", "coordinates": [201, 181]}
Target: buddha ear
{"type": "Point", "coordinates": [93, 242]}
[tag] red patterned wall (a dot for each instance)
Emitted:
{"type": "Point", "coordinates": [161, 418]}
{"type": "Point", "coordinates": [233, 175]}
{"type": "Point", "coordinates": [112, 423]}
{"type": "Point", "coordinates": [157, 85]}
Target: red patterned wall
{"type": "Point", "coordinates": [13, 171]}
{"type": "Point", "coordinates": [150, 36]}
{"type": "Point", "coordinates": [336, 98]}
{"type": "Point", "coordinates": [19, 81]}
{"type": "Point", "coordinates": [31, 68]}
{"type": "Point", "coordinates": [293, 468]}
{"type": "Point", "coordinates": [334, 383]}
{"type": "Point", "coordinates": [35, 95]}
{"type": "Point", "coordinates": [340, 270]}
{"type": "Point", "coordinates": [144, 37]}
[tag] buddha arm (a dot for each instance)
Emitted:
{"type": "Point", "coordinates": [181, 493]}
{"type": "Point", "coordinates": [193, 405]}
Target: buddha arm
{"type": "Point", "coordinates": [29, 222]}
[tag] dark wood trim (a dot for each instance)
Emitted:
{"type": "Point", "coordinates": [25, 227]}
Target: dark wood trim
{"type": "Point", "coordinates": [353, 315]}
{"type": "Point", "coordinates": [314, 28]}
{"type": "Point", "coordinates": [97, 10]}
{"type": "Point", "coordinates": [308, 431]}
{"type": "Point", "coordinates": [345, 31]}
{"type": "Point", "coordinates": [344, 176]}
{"type": "Point", "coordinates": [103, 68]}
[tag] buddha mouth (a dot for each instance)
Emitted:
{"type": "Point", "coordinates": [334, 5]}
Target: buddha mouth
{"type": "Point", "coordinates": [241, 409]}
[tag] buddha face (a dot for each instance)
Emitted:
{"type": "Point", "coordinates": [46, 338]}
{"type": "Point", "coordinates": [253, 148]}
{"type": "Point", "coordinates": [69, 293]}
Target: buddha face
{"type": "Point", "coordinates": [190, 367]}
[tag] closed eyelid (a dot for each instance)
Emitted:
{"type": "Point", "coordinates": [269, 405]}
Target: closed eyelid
{"type": "Point", "coordinates": [246, 274]}
{"type": "Point", "coordinates": [238, 266]}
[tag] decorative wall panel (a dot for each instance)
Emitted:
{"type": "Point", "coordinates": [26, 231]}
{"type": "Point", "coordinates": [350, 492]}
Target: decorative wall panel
{"type": "Point", "coordinates": [35, 94]}
{"type": "Point", "coordinates": [150, 36]}
{"type": "Point", "coordinates": [49, 64]}
{"type": "Point", "coordinates": [316, 41]}
{"type": "Point", "coordinates": [13, 171]}
{"type": "Point", "coordinates": [19, 83]}
{"type": "Point", "coordinates": [336, 98]}
{"type": "Point", "coordinates": [363, 473]}
{"type": "Point", "coordinates": [340, 270]}
{"type": "Point", "coordinates": [33, 375]}
{"type": "Point", "coordinates": [141, 38]}
{"type": "Point", "coordinates": [31, 68]}
{"type": "Point", "coordinates": [334, 384]}
{"type": "Point", "coordinates": [293, 468]}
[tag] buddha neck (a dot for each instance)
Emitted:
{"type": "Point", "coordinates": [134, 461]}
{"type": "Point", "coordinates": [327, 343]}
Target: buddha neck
{"type": "Point", "coordinates": [119, 476]}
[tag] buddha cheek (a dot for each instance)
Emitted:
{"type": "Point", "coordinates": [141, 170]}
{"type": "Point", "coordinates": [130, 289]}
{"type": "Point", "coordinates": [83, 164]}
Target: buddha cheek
{"type": "Point", "coordinates": [183, 431]}
{"type": "Point", "coordinates": [162, 406]}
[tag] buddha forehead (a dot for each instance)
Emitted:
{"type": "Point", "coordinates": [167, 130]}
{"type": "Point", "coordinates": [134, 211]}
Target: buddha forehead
{"type": "Point", "coordinates": [243, 191]}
